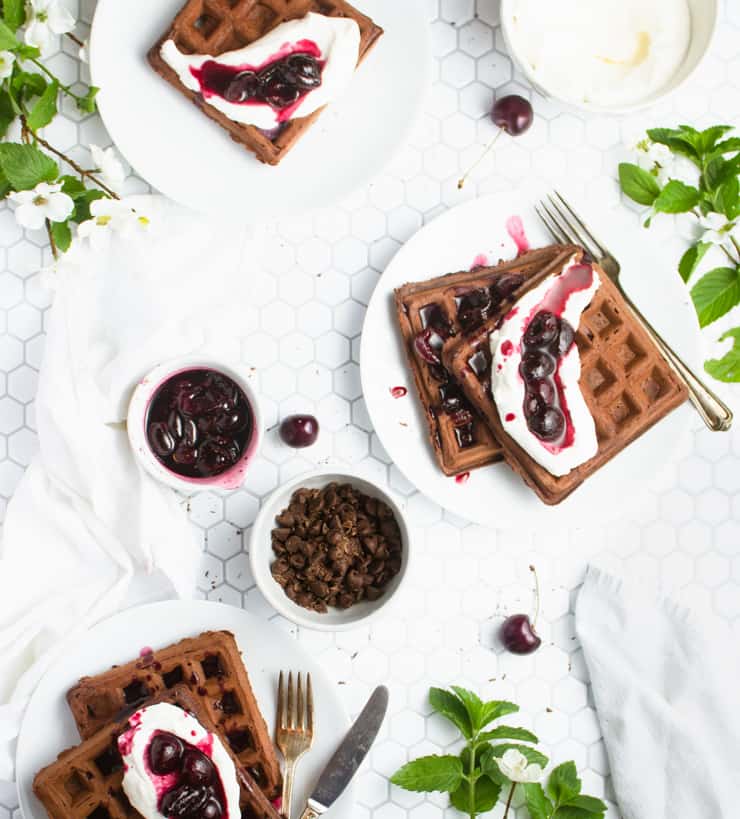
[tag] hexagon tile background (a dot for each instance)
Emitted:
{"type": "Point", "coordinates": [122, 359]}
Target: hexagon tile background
{"type": "Point", "coordinates": [303, 336]}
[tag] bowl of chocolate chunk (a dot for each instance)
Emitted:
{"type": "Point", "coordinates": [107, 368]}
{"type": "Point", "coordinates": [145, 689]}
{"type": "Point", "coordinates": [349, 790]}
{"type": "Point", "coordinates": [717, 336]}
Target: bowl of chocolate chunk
{"type": "Point", "coordinates": [330, 550]}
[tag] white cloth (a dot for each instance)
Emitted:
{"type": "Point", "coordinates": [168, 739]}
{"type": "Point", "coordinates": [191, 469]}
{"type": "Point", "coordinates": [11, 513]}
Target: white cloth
{"type": "Point", "coordinates": [86, 519]}
{"type": "Point", "coordinates": [665, 684]}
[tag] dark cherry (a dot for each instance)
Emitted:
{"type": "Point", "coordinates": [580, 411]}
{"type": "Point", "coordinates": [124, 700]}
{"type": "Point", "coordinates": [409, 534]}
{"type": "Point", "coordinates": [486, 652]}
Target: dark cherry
{"type": "Point", "coordinates": [452, 398]}
{"type": "Point", "coordinates": [507, 283]}
{"type": "Point", "coordinates": [534, 404]}
{"type": "Point", "coordinates": [543, 389]}
{"type": "Point", "coordinates": [513, 114]}
{"type": "Point", "coordinates": [185, 455]}
{"type": "Point", "coordinates": [548, 424]}
{"type": "Point", "coordinates": [184, 800]}
{"type": "Point", "coordinates": [243, 87]}
{"type": "Point", "coordinates": [565, 339]}
{"type": "Point", "coordinates": [299, 431]}
{"type": "Point", "coordinates": [462, 418]}
{"type": "Point", "coordinates": [464, 436]}
{"type": "Point", "coordinates": [304, 70]}
{"type": "Point", "coordinates": [230, 421]}
{"type": "Point", "coordinates": [212, 809]}
{"type": "Point", "coordinates": [216, 455]}
{"type": "Point", "coordinates": [439, 373]}
{"type": "Point", "coordinates": [197, 768]}
{"type": "Point", "coordinates": [165, 752]}
{"type": "Point", "coordinates": [542, 330]}
{"type": "Point", "coordinates": [161, 439]}
{"type": "Point", "coordinates": [424, 346]}
{"type": "Point", "coordinates": [536, 364]}
{"type": "Point", "coordinates": [518, 635]}
{"type": "Point", "coordinates": [433, 316]}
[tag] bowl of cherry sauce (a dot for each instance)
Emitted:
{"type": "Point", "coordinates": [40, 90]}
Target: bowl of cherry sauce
{"type": "Point", "coordinates": [193, 423]}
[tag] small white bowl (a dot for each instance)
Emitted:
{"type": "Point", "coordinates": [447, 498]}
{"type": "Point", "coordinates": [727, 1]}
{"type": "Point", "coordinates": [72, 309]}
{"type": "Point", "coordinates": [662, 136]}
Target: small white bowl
{"type": "Point", "coordinates": [136, 425]}
{"type": "Point", "coordinates": [261, 555]}
{"type": "Point", "coordinates": [704, 20]}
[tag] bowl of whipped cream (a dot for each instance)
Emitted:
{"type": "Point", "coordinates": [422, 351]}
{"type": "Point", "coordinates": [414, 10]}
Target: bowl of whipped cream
{"type": "Point", "coordinates": [610, 56]}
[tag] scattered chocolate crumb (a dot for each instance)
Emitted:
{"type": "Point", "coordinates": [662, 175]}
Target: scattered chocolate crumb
{"type": "Point", "coordinates": [335, 547]}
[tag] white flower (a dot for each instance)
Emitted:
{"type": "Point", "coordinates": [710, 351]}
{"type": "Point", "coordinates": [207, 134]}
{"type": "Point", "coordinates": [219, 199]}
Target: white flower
{"type": "Point", "coordinates": [45, 19]}
{"type": "Point", "coordinates": [109, 165]}
{"type": "Point", "coordinates": [718, 230]}
{"type": "Point", "coordinates": [7, 61]}
{"type": "Point", "coordinates": [110, 216]}
{"type": "Point", "coordinates": [514, 766]}
{"type": "Point", "coordinates": [43, 202]}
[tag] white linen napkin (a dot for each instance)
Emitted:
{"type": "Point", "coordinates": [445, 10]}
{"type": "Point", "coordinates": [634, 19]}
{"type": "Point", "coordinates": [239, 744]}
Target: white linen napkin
{"type": "Point", "coordinates": [86, 519]}
{"type": "Point", "coordinates": [665, 683]}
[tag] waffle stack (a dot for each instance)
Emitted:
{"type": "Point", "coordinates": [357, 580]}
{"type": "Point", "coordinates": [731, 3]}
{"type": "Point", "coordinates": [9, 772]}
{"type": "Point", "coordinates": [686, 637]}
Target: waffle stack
{"type": "Point", "coordinates": [626, 383]}
{"type": "Point", "coordinates": [457, 446]}
{"type": "Point", "coordinates": [204, 675]}
{"type": "Point", "coordinates": [214, 27]}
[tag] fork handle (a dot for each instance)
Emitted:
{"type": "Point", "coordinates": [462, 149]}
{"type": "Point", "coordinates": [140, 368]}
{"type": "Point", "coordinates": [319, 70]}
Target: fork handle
{"type": "Point", "coordinates": [288, 779]}
{"type": "Point", "coordinates": [310, 813]}
{"type": "Point", "coordinates": [713, 411]}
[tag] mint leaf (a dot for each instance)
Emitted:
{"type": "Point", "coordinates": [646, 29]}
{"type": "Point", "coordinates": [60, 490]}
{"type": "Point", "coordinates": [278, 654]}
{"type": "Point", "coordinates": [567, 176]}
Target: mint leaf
{"type": "Point", "coordinates": [25, 166]}
{"type": "Point", "coordinates": [7, 112]}
{"type": "Point", "coordinates": [72, 186]}
{"type": "Point", "coordinates": [690, 260]}
{"type": "Point", "coordinates": [728, 146]}
{"type": "Point", "coordinates": [678, 141]}
{"type": "Point", "coordinates": [589, 803]}
{"type": "Point", "coordinates": [26, 84]}
{"type": "Point", "coordinates": [473, 705]}
{"type": "Point", "coordinates": [430, 773]}
{"type": "Point", "coordinates": [709, 137]}
{"type": "Point", "coordinates": [719, 170]}
{"type": "Point", "coordinates": [638, 184]}
{"type": "Point", "coordinates": [538, 805]}
{"type": "Point", "coordinates": [727, 368]}
{"type": "Point", "coordinates": [14, 13]}
{"type": "Point", "coordinates": [45, 109]}
{"type": "Point", "coordinates": [62, 235]}
{"type": "Point", "coordinates": [676, 197]}
{"type": "Point", "coordinates": [715, 294]}
{"type": "Point", "coordinates": [484, 797]}
{"type": "Point", "coordinates": [495, 709]}
{"type": "Point", "coordinates": [508, 732]}
{"type": "Point", "coordinates": [569, 812]}
{"type": "Point", "coordinates": [564, 784]}
{"type": "Point", "coordinates": [4, 186]}
{"type": "Point", "coordinates": [87, 103]}
{"type": "Point", "coordinates": [450, 707]}
{"type": "Point", "coordinates": [727, 198]}
{"type": "Point", "coordinates": [8, 40]}
{"type": "Point", "coordinates": [82, 201]}
{"type": "Point", "coordinates": [28, 52]}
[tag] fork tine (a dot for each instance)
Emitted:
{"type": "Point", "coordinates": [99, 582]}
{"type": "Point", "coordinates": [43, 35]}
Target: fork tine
{"type": "Point", "coordinates": [281, 703]}
{"type": "Point", "coordinates": [551, 226]}
{"type": "Point", "coordinates": [580, 237]}
{"type": "Point", "coordinates": [291, 701]}
{"type": "Point", "coordinates": [571, 210]}
{"type": "Point", "coordinates": [309, 710]}
{"type": "Point", "coordinates": [300, 716]}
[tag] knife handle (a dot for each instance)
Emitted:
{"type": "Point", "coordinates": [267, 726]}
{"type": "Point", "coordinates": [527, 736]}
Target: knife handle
{"type": "Point", "coordinates": [310, 813]}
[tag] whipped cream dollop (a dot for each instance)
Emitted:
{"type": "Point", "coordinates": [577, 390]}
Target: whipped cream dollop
{"type": "Point", "coordinates": [333, 41]}
{"type": "Point", "coordinates": [142, 786]}
{"type": "Point", "coordinates": [603, 52]}
{"type": "Point", "coordinates": [509, 390]}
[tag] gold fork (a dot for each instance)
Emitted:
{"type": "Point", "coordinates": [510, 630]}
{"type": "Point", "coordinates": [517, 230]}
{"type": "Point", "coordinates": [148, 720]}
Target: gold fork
{"type": "Point", "coordinates": [566, 227]}
{"type": "Point", "coordinates": [294, 731]}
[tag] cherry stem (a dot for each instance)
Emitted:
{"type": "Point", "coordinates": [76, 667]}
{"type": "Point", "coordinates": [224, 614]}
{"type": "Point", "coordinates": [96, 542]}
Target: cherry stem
{"type": "Point", "coordinates": [508, 801]}
{"type": "Point", "coordinates": [464, 179]}
{"type": "Point", "coordinates": [536, 596]}
{"type": "Point", "coordinates": [75, 39]}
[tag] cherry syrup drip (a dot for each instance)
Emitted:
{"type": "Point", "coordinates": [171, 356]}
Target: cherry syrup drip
{"type": "Point", "coordinates": [462, 478]}
{"type": "Point", "coordinates": [399, 392]}
{"type": "Point", "coordinates": [547, 339]}
{"type": "Point", "coordinates": [515, 229]}
{"type": "Point", "coordinates": [199, 423]}
{"type": "Point", "coordinates": [282, 82]}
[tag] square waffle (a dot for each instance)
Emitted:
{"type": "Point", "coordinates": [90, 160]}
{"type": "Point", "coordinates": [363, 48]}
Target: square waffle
{"type": "Point", "coordinates": [216, 26]}
{"type": "Point", "coordinates": [86, 782]}
{"type": "Point", "coordinates": [626, 383]}
{"type": "Point", "coordinates": [211, 666]}
{"type": "Point", "coordinates": [459, 448]}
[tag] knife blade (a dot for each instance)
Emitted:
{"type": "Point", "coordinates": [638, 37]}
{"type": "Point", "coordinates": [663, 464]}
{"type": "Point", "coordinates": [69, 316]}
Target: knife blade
{"type": "Point", "coordinates": [350, 754]}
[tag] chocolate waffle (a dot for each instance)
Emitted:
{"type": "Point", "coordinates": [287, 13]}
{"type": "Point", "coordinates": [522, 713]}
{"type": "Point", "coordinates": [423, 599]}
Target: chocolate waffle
{"type": "Point", "coordinates": [210, 665]}
{"type": "Point", "coordinates": [459, 437]}
{"type": "Point", "coordinates": [214, 27]}
{"type": "Point", "coordinates": [86, 782]}
{"type": "Point", "coordinates": [626, 383]}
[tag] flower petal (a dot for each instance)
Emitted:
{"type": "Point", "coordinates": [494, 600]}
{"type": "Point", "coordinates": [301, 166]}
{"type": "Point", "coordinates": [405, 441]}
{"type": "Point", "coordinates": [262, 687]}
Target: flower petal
{"type": "Point", "coordinates": [30, 216]}
{"type": "Point", "coordinates": [59, 208]}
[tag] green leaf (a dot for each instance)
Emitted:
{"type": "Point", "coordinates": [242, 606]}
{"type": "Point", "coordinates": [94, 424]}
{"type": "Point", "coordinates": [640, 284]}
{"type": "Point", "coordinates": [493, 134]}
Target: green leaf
{"type": "Point", "coordinates": [638, 184]}
{"type": "Point", "coordinates": [676, 197]}
{"type": "Point", "coordinates": [14, 13]}
{"type": "Point", "coordinates": [538, 805]}
{"type": "Point", "coordinates": [450, 707]}
{"type": "Point", "coordinates": [430, 773]}
{"type": "Point", "coordinates": [8, 40]}
{"type": "Point", "coordinates": [45, 109]}
{"type": "Point", "coordinates": [691, 259]}
{"type": "Point", "coordinates": [727, 198]}
{"type": "Point", "coordinates": [678, 141]}
{"type": "Point", "coordinates": [489, 765]}
{"type": "Point", "coordinates": [87, 103]}
{"type": "Point", "coordinates": [27, 84]}
{"type": "Point", "coordinates": [4, 186]}
{"type": "Point", "coordinates": [62, 234]}
{"type": "Point", "coordinates": [485, 796]}
{"type": "Point", "coordinates": [727, 368]}
{"type": "Point", "coordinates": [473, 705]}
{"type": "Point", "coordinates": [709, 137]}
{"type": "Point", "coordinates": [719, 170]}
{"type": "Point", "coordinates": [589, 803]}
{"type": "Point", "coordinates": [728, 146]}
{"type": "Point", "coordinates": [564, 784]}
{"type": "Point", "coordinates": [81, 213]}
{"type": "Point", "coordinates": [7, 112]}
{"type": "Point", "coordinates": [25, 166]}
{"type": "Point", "coordinates": [716, 293]}
{"type": "Point", "coordinates": [495, 709]}
{"type": "Point", "coordinates": [73, 186]}
{"type": "Point", "coordinates": [508, 732]}
{"type": "Point", "coordinates": [570, 812]}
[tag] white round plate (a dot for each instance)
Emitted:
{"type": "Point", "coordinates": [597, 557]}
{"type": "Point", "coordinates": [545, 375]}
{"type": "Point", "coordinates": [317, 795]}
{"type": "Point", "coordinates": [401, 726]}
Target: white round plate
{"type": "Point", "coordinates": [494, 495]}
{"type": "Point", "coordinates": [48, 727]}
{"type": "Point", "coordinates": [185, 155]}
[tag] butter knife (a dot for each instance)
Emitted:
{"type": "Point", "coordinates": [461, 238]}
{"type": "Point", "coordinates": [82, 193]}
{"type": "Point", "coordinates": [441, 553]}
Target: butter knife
{"type": "Point", "coordinates": [349, 756]}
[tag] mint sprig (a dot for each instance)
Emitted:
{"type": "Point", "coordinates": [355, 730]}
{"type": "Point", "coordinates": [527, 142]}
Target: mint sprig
{"type": "Point", "coordinates": [475, 780]}
{"type": "Point", "coordinates": [715, 200]}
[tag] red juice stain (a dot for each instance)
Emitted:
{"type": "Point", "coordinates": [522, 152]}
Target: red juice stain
{"type": "Point", "coordinates": [464, 477]}
{"type": "Point", "coordinates": [481, 260]}
{"type": "Point", "coordinates": [399, 392]}
{"type": "Point", "coordinates": [510, 417]}
{"type": "Point", "coordinates": [147, 651]}
{"type": "Point", "coordinates": [515, 229]}
{"type": "Point", "coordinates": [507, 348]}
